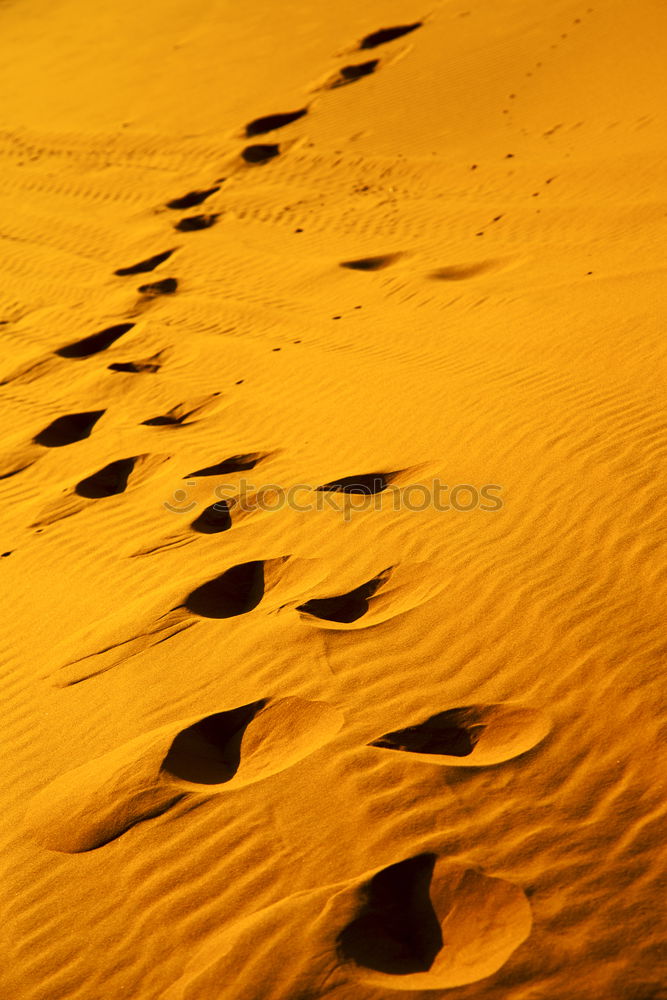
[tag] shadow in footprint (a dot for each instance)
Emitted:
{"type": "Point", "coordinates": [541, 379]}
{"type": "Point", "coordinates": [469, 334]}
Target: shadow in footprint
{"type": "Point", "coordinates": [165, 287]}
{"type": "Point", "coordinates": [368, 484]}
{"type": "Point", "coordinates": [459, 272]}
{"type": "Point", "coordinates": [345, 608]}
{"type": "Point", "coordinates": [192, 199]}
{"type": "Point", "coordinates": [213, 519]}
{"type": "Point", "coordinates": [193, 223]}
{"type": "Point", "coordinates": [95, 343]}
{"type": "Point", "coordinates": [260, 152]}
{"type": "Point", "coordinates": [371, 263]}
{"type": "Point", "coordinates": [397, 931]}
{"type": "Point", "coordinates": [235, 592]}
{"type": "Point", "coordinates": [135, 367]}
{"type": "Point", "coordinates": [349, 74]}
{"type": "Point", "coordinates": [145, 265]}
{"type": "Point", "coordinates": [472, 736]}
{"type": "Point", "coordinates": [107, 482]}
{"type": "Point", "coordinates": [209, 752]}
{"type": "Point", "coordinates": [237, 463]}
{"type": "Point", "coordinates": [444, 733]}
{"type": "Point", "coordinates": [387, 35]}
{"type": "Point", "coordinates": [270, 122]}
{"type": "Point", "coordinates": [68, 429]}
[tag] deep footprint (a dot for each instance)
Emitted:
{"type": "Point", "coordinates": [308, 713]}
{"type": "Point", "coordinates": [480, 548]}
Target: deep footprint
{"type": "Point", "coordinates": [135, 367]}
{"type": "Point", "coordinates": [99, 801]}
{"type": "Point", "coordinates": [371, 263]}
{"type": "Point", "coordinates": [192, 199]}
{"type": "Point", "coordinates": [261, 152]}
{"type": "Point", "coordinates": [108, 481]}
{"type": "Point", "coordinates": [368, 484]}
{"type": "Point", "coordinates": [425, 924]}
{"type": "Point", "coordinates": [387, 35]}
{"type": "Point", "coordinates": [237, 463]}
{"type": "Point", "coordinates": [349, 74]}
{"type": "Point", "coordinates": [145, 265]}
{"type": "Point", "coordinates": [345, 608]}
{"type": "Point", "coordinates": [270, 122]}
{"type": "Point", "coordinates": [68, 429]}
{"type": "Point", "coordinates": [193, 223]}
{"type": "Point", "coordinates": [213, 519]}
{"type": "Point", "coordinates": [473, 736]}
{"type": "Point", "coordinates": [95, 343]}
{"type": "Point", "coordinates": [165, 287]}
{"type": "Point", "coordinates": [235, 592]}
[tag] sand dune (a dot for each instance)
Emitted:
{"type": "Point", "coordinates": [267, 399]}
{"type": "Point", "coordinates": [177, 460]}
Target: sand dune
{"type": "Point", "coordinates": [332, 464]}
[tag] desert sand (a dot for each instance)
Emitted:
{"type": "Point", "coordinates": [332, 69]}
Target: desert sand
{"type": "Point", "coordinates": [333, 479]}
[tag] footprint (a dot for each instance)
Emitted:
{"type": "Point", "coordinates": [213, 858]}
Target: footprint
{"type": "Point", "coordinates": [349, 74]}
{"type": "Point", "coordinates": [260, 152]}
{"type": "Point", "coordinates": [193, 223]}
{"type": "Point", "coordinates": [270, 122]}
{"type": "Point", "coordinates": [145, 265]}
{"type": "Point", "coordinates": [424, 924]}
{"type": "Point", "coordinates": [421, 924]}
{"type": "Point", "coordinates": [235, 592]}
{"type": "Point", "coordinates": [474, 736]}
{"type": "Point", "coordinates": [68, 429]}
{"type": "Point", "coordinates": [371, 263]}
{"type": "Point", "coordinates": [213, 519]}
{"type": "Point", "coordinates": [95, 343]}
{"type": "Point", "coordinates": [108, 481]}
{"type": "Point", "coordinates": [165, 287]}
{"type": "Point", "coordinates": [345, 608]}
{"type": "Point", "coordinates": [237, 463]}
{"type": "Point", "coordinates": [192, 199]}
{"type": "Point", "coordinates": [97, 802]}
{"type": "Point", "coordinates": [387, 35]}
{"type": "Point", "coordinates": [459, 272]}
{"type": "Point", "coordinates": [136, 367]}
{"type": "Point", "coordinates": [179, 415]}
{"type": "Point", "coordinates": [368, 484]}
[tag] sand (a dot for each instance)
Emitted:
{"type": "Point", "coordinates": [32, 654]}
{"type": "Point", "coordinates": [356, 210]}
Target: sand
{"type": "Point", "coordinates": [333, 438]}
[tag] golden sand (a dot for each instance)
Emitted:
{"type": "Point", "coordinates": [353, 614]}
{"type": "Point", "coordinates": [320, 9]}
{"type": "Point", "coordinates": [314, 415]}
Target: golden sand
{"type": "Point", "coordinates": [332, 461]}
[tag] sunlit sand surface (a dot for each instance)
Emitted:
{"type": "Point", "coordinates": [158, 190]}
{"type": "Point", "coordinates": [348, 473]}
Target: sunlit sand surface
{"type": "Point", "coordinates": [333, 476]}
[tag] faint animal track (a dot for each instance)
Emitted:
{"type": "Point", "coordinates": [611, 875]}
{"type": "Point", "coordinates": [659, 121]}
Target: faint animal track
{"type": "Point", "coordinates": [108, 481]}
{"type": "Point", "coordinates": [474, 736]}
{"type": "Point", "coordinates": [235, 592]}
{"type": "Point", "coordinates": [193, 223]}
{"type": "Point", "coordinates": [387, 35]}
{"type": "Point", "coordinates": [367, 483]}
{"type": "Point", "coordinates": [165, 287]}
{"type": "Point", "coordinates": [145, 265]}
{"type": "Point", "coordinates": [425, 924]}
{"type": "Point", "coordinates": [459, 272]}
{"type": "Point", "coordinates": [371, 263]}
{"type": "Point", "coordinates": [213, 519]}
{"type": "Point", "coordinates": [68, 429]}
{"type": "Point", "coordinates": [260, 152]}
{"type": "Point", "coordinates": [95, 343]}
{"type": "Point", "coordinates": [192, 199]}
{"type": "Point", "coordinates": [349, 74]}
{"type": "Point", "coordinates": [268, 123]}
{"type": "Point", "coordinates": [99, 801]}
{"type": "Point", "coordinates": [344, 608]}
{"type": "Point", "coordinates": [237, 463]}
